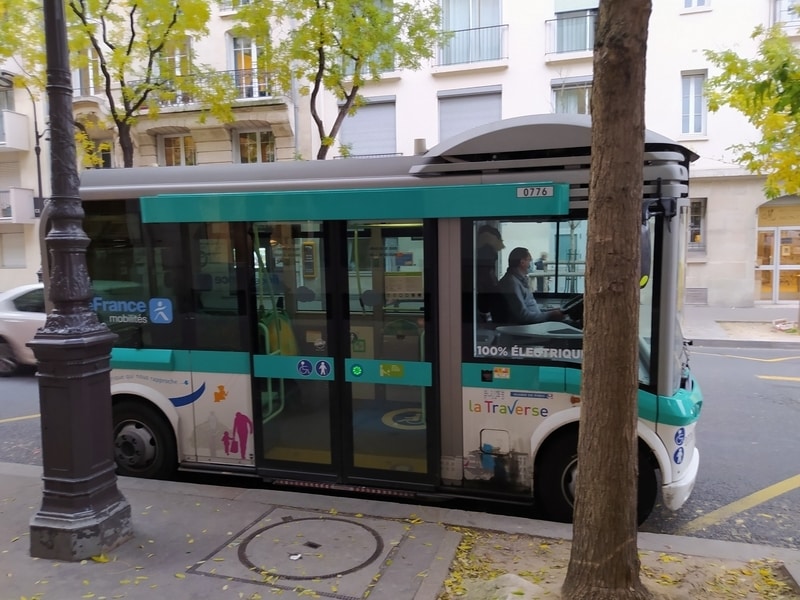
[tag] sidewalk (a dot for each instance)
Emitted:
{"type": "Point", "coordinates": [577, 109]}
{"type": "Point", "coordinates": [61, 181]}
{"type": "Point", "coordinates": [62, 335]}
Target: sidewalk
{"type": "Point", "coordinates": [740, 327]}
{"type": "Point", "coordinates": [204, 542]}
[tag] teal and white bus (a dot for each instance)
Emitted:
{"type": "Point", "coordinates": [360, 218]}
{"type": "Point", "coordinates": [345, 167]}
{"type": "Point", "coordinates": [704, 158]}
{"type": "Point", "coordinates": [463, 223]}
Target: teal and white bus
{"type": "Point", "coordinates": [322, 323]}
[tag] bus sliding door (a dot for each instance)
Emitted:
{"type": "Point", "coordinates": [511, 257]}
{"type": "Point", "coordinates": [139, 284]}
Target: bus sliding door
{"type": "Point", "coordinates": [388, 367]}
{"type": "Point", "coordinates": [342, 374]}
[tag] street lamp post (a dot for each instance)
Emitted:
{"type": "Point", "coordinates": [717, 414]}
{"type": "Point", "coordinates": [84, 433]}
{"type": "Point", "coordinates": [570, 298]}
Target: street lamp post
{"type": "Point", "coordinates": [37, 149]}
{"type": "Point", "coordinates": [83, 514]}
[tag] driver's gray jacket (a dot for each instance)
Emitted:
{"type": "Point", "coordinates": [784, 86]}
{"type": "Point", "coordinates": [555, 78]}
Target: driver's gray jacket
{"type": "Point", "coordinates": [520, 304]}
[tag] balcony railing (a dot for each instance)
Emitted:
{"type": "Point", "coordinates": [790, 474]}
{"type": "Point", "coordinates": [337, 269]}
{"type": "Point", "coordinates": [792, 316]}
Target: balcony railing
{"type": "Point", "coordinates": [228, 6]}
{"type": "Point", "coordinates": [17, 205]}
{"type": "Point", "coordinates": [571, 34]}
{"type": "Point", "coordinates": [5, 204]}
{"type": "Point", "coordinates": [378, 155]}
{"type": "Point", "coordinates": [188, 89]}
{"type": "Point", "coordinates": [474, 45]}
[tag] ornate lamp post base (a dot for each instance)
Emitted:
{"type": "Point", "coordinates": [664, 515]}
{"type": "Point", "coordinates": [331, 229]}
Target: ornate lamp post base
{"type": "Point", "coordinates": [83, 514]}
{"type": "Point", "coordinates": [70, 539]}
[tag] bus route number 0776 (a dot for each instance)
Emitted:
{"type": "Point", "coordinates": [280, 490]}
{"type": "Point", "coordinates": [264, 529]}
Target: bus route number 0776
{"type": "Point", "coordinates": [538, 191]}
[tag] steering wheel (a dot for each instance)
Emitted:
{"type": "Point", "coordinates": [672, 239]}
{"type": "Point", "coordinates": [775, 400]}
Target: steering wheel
{"type": "Point", "coordinates": [573, 307]}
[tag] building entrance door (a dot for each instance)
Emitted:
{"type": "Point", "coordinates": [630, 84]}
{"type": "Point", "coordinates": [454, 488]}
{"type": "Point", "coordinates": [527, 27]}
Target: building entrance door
{"type": "Point", "coordinates": [778, 264]}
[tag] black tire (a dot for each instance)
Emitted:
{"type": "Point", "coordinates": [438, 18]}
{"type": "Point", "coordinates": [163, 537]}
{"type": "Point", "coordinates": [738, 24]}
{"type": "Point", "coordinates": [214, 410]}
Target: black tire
{"type": "Point", "coordinates": [556, 467]}
{"type": "Point", "coordinates": [554, 477]}
{"type": "Point", "coordinates": [648, 484]}
{"type": "Point", "coordinates": [144, 444]}
{"type": "Point", "coordinates": [8, 362]}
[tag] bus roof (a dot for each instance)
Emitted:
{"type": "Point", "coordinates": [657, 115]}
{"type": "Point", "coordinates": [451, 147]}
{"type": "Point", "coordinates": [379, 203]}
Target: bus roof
{"type": "Point", "coordinates": [533, 142]}
{"type": "Point", "coordinates": [531, 133]}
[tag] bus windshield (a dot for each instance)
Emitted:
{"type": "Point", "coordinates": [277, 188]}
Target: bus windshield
{"type": "Point", "coordinates": [554, 276]}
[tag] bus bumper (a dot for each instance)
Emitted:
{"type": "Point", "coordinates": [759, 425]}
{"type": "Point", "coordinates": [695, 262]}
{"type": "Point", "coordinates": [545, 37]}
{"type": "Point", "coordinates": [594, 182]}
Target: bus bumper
{"type": "Point", "coordinates": [675, 494]}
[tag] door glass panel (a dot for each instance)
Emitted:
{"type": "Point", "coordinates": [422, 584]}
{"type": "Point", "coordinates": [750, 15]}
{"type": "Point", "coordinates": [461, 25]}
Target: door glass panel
{"type": "Point", "coordinates": [789, 247]}
{"type": "Point", "coordinates": [387, 334]}
{"type": "Point", "coordinates": [293, 367]}
{"type": "Point", "coordinates": [766, 243]}
{"type": "Point", "coordinates": [764, 285]}
{"type": "Point", "coordinates": [789, 261]}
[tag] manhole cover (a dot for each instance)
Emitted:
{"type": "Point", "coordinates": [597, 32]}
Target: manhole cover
{"type": "Point", "coordinates": [312, 548]}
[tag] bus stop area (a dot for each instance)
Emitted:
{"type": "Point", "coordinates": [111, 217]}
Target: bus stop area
{"type": "Point", "coordinates": [195, 541]}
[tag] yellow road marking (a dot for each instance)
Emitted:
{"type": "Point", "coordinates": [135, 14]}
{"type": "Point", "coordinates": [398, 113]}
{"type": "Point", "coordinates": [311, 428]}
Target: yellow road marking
{"type": "Point", "coordinates": [25, 418]}
{"type": "Point", "coordinates": [766, 360]}
{"type": "Point", "coordinates": [741, 505]}
{"type": "Point", "coordinates": [778, 378]}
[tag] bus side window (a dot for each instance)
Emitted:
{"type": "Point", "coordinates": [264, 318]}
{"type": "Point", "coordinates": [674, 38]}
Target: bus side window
{"type": "Point", "coordinates": [218, 321]}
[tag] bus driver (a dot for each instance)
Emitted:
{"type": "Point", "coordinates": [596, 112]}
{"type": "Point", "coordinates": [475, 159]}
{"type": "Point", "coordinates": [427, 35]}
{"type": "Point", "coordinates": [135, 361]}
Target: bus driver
{"type": "Point", "coordinates": [519, 307]}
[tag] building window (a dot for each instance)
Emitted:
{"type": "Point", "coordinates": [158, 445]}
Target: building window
{"type": "Point", "coordinates": [476, 29]}
{"type": "Point", "coordinates": [12, 250]}
{"type": "Point", "coordinates": [256, 146]}
{"type": "Point", "coordinates": [575, 30]}
{"type": "Point", "coordinates": [786, 11]}
{"type": "Point", "coordinates": [98, 155]}
{"type": "Point", "coordinates": [696, 3]}
{"type": "Point", "coordinates": [179, 150]}
{"type": "Point", "coordinates": [250, 80]}
{"type": "Point", "coordinates": [371, 131]}
{"type": "Point", "coordinates": [460, 110]}
{"type": "Point", "coordinates": [572, 96]}
{"type": "Point", "coordinates": [87, 80]}
{"type": "Point", "coordinates": [693, 104]}
{"type": "Point", "coordinates": [6, 99]}
{"type": "Point", "coordinates": [697, 225]}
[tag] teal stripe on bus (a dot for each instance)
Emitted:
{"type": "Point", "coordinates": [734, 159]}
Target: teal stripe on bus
{"type": "Point", "coordinates": [198, 361]}
{"type": "Point", "coordinates": [681, 409]}
{"type": "Point", "coordinates": [507, 199]}
{"type": "Point", "coordinates": [647, 404]}
{"type": "Point", "coordinates": [546, 379]}
{"type": "Point", "coordinates": [208, 361]}
{"type": "Point", "coordinates": [519, 377]}
{"type": "Point", "coordinates": [151, 360]}
{"type": "Point", "coordinates": [390, 372]}
{"type": "Point", "coordinates": [293, 367]}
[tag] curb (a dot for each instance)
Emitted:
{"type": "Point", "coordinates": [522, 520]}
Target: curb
{"type": "Point", "coordinates": [719, 343]}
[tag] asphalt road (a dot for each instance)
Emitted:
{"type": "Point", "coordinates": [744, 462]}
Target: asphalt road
{"type": "Point", "coordinates": [748, 489]}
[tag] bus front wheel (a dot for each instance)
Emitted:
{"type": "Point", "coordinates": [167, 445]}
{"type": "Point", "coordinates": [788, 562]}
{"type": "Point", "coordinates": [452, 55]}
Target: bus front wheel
{"type": "Point", "coordinates": [144, 445]}
{"type": "Point", "coordinates": [557, 470]}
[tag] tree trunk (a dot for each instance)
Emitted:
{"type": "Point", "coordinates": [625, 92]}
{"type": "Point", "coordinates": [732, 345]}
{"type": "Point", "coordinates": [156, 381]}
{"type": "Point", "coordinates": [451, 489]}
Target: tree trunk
{"type": "Point", "coordinates": [604, 562]}
{"type": "Point", "coordinates": [126, 143]}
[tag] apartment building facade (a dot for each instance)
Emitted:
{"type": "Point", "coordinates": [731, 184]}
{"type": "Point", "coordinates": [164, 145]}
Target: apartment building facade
{"type": "Point", "coordinates": [505, 58]}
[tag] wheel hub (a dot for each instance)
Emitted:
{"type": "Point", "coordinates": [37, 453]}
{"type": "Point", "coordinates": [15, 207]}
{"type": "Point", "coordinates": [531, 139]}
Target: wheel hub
{"type": "Point", "coordinates": [568, 481]}
{"type": "Point", "coordinates": [134, 446]}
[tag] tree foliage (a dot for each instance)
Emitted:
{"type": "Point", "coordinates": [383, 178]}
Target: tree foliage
{"type": "Point", "coordinates": [766, 90]}
{"type": "Point", "coordinates": [604, 562]}
{"type": "Point", "coordinates": [339, 45]}
{"type": "Point", "coordinates": [139, 54]}
{"type": "Point", "coordinates": [22, 39]}
{"type": "Point", "coordinates": [136, 52]}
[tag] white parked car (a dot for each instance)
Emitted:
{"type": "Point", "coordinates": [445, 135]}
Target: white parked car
{"type": "Point", "coordinates": [22, 312]}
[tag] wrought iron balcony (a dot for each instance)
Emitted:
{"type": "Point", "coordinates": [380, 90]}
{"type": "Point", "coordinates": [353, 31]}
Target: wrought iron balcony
{"type": "Point", "coordinates": [378, 155]}
{"type": "Point", "coordinates": [17, 205]}
{"type": "Point", "coordinates": [571, 34]}
{"type": "Point", "coordinates": [474, 45]}
{"type": "Point", "coordinates": [185, 90]}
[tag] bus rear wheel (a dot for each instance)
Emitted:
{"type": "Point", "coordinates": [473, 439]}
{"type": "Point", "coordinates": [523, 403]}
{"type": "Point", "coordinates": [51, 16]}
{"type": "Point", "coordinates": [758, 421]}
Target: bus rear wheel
{"type": "Point", "coordinates": [144, 445]}
{"type": "Point", "coordinates": [557, 470]}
